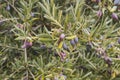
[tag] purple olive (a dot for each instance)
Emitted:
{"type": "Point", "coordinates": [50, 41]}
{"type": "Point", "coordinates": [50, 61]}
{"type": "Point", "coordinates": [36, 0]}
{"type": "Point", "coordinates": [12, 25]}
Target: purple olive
{"type": "Point", "coordinates": [114, 16]}
{"type": "Point", "coordinates": [72, 42]}
{"type": "Point", "coordinates": [27, 44]}
{"type": "Point", "coordinates": [64, 46]}
{"type": "Point", "coordinates": [99, 13]}
{"type": "Point", "coordinates": [8, 7]}
{"type": "Point", "coordinates": [119, 40]}
{"type": "Point", "coordinates": [116, 2]}
{"type": "Point", "coordinates": [76, 40]}
{"type": "Point", "coordinates": [62, 36]}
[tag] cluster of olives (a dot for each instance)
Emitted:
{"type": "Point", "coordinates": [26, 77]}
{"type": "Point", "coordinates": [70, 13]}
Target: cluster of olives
{"type": "Point", "coordinates": [73, 42]}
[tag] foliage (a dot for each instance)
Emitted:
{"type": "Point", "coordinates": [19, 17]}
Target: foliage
{"type": "Point", "coordinates": [59, 40]}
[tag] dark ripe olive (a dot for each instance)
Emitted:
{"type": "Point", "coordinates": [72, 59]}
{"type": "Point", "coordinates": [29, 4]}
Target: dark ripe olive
{"type": "Point", "coordinates": [76, 40]}
{"type": "Point", "coordinates": [64, 46]}
{"type": "Point", "coordinates": [72, 42]}
{"type": "Point", "coordinates": [88, 47]}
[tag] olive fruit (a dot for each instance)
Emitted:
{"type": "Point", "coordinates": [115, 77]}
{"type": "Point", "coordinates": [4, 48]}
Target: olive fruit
{"type": "Point", "coordinates": [99, 13]}
{"type": "Point", "coordinates": [76, 40]}
{"type": "Point", "coordinates": [64, 46]}
{"type": "Point", "coordinates": [72, 42]}
{"type": "Point", "coordinates": [114, 16]}
{"type": "Point", "coordinates": [119, 40]}
{"type": "Point", "coordinates": [27, 44]}
{"type": "Point", "coordinates": [62, 36]}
